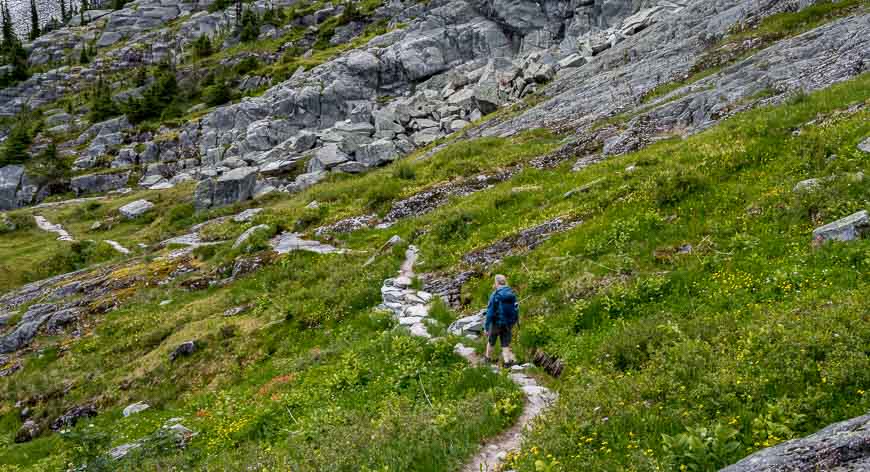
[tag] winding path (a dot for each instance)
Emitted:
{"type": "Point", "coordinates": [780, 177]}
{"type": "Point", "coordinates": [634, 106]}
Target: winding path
{"type": "Point", "coordinates": [45, 225]}
{"type": "Point", "coordinates": [411, 308]}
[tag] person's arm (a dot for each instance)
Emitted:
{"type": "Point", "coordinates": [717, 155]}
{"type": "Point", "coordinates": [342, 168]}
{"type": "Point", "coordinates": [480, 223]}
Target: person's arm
{"type": "Point", "coordinates": [490, 313]}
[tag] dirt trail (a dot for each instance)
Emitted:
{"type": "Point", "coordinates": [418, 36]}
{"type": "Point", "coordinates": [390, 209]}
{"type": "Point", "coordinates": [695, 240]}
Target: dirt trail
{"type": "Point", "coordinates": [45, 225]}
{"type": "Point", "coordinates": [411, 308]}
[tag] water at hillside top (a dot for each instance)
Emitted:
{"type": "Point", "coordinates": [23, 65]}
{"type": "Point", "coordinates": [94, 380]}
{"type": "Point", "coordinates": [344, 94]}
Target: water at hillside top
{"type": "Point", "coordinates": [20, 11]}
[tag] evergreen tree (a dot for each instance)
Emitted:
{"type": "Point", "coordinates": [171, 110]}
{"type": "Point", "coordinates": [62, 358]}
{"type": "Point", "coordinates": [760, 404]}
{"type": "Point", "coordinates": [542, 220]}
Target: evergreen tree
{"type": "Point", "coordinates": [202, 47]}
{"type": "Point", "coordinates": [84, 57]}
{"type": "Point", "coordinates": [14, 149]}
{"type": "Point", "coordinates": [8, 32]}
{"type": "Point", "coordinates": [11, 50]}
{"type": "Point", "coordinates": [63, 13]}
{"type": "Point", "coordinates": [250, 26]}
{"type": "Point", "coordinates": [102, 105]}
{"type": "Point", "coordinates": [34, 21]}
{"type": "Point", "coordinates": [82, 9]}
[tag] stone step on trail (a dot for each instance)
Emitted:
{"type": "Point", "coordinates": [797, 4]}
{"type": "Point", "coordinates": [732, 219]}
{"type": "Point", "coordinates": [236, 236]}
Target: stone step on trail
{"type": "Point", "coordinates": [411, 308]}
{"type": "Point", "coordinates": [289, 242]}
{"type": "Point", "coordinates": [45, 225]}
{"type": "Point", "coordinates": [117, 246]}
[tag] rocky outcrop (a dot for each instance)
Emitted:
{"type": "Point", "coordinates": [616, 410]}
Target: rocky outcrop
{"type": "Point", "coordinates": [524, 240]}
{"type": "Point", "coordinates": [840, 447]}
{"type": "Point", "coordinates": [234, 186]}
{"type": "Point", "coordinates": [134, 408]}
{"type": "Point", "coordinates": [17, 188]}
{"type": "Point", "coordinates": [135, 209]}
{"type": "Point", "coordinates": [454, 62]}
{"type": "Point", "coordinates": [845, 229]}
{"type": "Point", "coordinates": [98, 183]}
{"type": "Point", "coordinates": [49, 315]}
{"type": "Point", "coordinates": [72, 416]}
{"type": "Point", "coordinates": [183, 350]}
{"type": "Point", "coordinates": [289, 242]}
{"type": "Point", "coordinates": [617, 80]}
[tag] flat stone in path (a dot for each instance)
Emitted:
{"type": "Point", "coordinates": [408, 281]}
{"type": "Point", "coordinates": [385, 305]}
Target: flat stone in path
{"type": "Point", "coordinates": [45, 225]}
{"type": "Point", "coordinates": [117, 246]}
{"type": "Point", "coordinates": [289, 242]}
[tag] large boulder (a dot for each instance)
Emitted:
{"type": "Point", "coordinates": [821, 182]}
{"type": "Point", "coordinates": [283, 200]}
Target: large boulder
{"type": "Point", "coordinates": [234, 186]}
{"type": "Point", "coordinates": [326, 158]}
{"type": "Point", "coordinates": [72, 416]}
{"type": "Point", "coordinates": [26, 329]}
{"type": "Point", "coordinates": [844, 229]}
{"type": "Point", "coordinates": [843, 446]}
{"type": "Point", "coordinates": [472, 324]}
{"type": "Point", "coordinates": [134, 408]}
{"type": "Point", "coordinates": [17, 189]}
{"type": "Point", "coordinates": [10, 180]}
{"type": "Point", "coordinates": [136, 209]}
{"type": "Point", "coordinates": [377, 153]}
{"type": "Point", "coordinates": [93, 183]}
{"type": "Point", "coordinates": [183, 350]}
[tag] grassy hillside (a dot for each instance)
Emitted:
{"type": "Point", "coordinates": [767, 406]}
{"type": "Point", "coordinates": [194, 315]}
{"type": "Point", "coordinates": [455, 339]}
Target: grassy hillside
{"type": "Point", "coordinates": [696, 319]}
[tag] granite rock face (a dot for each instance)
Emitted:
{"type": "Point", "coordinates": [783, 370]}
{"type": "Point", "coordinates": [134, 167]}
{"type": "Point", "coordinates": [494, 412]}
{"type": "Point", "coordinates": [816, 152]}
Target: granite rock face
{"type": "Point", "coordinates": [454, 62]}
{"type": "Point", "coordinates": [845, 229]}
{"type": "Point", "coordinates": [234, 186]}
{"type": "Point", "coordinates": [840, 447]}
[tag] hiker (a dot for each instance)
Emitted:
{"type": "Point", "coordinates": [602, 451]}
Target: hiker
{"type": "Point", "coordinates": [502, 314]}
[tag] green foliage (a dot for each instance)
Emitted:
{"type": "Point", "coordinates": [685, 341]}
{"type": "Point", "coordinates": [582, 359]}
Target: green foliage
{"type": "Point", "coordinates": [49, 166]}
{"type": "Point", "coordinates": [455, 226]}
{"type": "Point", "coordinates": [15, 222]}
{"type": "Point", "coordinates": [674, 187]}
{"type": "Point", "coordinates": [377, 197]}
{"type": "Point", "coordinates": [77, 255]}
{"type": "Point", "coordinates": [274, 16]}
{"type": "Point", "coordinates": [11, 50]}
{"type": "Point", "coordinates": [101, 103]}
{"type": "Point", "coordinates": [705, 330]}
{"type": "Point", "coordinates": [86, 53]}
{"type": "Point", "coordinates": [249, 27]}
{"type": "Point", "coordinates": [700, 449]}
{"type": "Point", "coordinates": [14, 148]}
{"type": "Point", "coordinates": [202, 47]}
{"type": "Point", "coordinates": [217, 93]}
{"type": "Point", "coordinates": [160, 100]}
{"type": "Point", "coordinates": [34, 21]}
{"type": "Point", "coordinates": [246, 65]}
{"type": "Point", "coordinates": [219, 5]}
{"type": "Point", "coordinates": [405, 171]}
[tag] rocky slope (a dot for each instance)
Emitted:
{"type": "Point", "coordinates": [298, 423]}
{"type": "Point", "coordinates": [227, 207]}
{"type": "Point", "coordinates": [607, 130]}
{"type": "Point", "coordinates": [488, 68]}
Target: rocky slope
{"type": "Point", "coordinates": [445, 65]}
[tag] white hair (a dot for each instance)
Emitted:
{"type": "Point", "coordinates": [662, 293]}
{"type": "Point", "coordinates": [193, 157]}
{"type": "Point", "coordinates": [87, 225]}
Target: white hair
{"type": "Point", "coordinates": [500, 280]}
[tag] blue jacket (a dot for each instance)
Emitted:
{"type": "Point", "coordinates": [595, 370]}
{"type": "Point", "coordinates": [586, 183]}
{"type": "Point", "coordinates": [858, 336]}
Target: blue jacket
{"type": "Point", "coordinates": [491, 315]}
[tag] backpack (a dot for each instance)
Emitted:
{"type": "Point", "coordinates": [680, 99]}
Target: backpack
{"type": "Point", "coordinates": [507, 307]}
